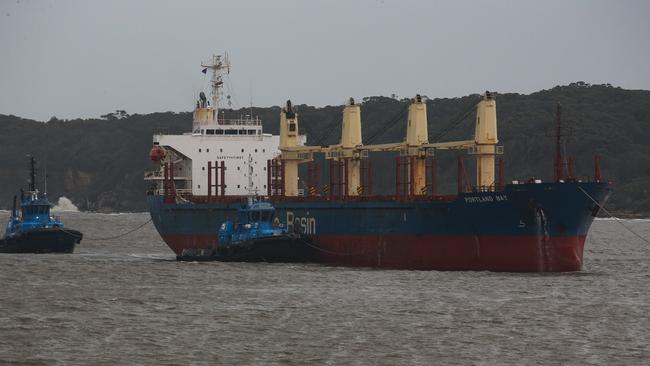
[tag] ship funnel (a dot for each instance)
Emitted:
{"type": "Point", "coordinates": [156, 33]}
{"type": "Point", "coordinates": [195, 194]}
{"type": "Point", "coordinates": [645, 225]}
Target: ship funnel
{"type": "Point", "coordinates": [203, 116]}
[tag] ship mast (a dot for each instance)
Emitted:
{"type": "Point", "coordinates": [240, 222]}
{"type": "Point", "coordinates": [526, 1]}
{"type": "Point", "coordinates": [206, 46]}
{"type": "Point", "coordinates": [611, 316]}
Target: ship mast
{"type": "Point", "coordinates": [559, 160]}
{"type": "Point", "coordinates": [218, 65]}
{"type": "Point", "coordinates": [32, 174]}
{"type": "Point", "coordinates": [252, 192]}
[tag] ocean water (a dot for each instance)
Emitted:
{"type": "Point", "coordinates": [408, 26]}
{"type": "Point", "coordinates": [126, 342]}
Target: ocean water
{"type": "Point", "coordinates": [126, 301]}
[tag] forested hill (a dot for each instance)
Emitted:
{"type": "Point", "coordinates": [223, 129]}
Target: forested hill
{"type": "Point", "coordinates": [99, 163]}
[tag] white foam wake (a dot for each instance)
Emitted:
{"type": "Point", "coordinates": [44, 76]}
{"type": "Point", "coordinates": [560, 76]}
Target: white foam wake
{"type": "Point", "coordinates": [65, 205]}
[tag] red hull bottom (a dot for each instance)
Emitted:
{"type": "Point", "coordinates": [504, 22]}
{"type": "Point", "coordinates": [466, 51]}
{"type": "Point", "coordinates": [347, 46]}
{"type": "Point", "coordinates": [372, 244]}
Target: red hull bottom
{"type": "Point", "coordinates": [447, 253]}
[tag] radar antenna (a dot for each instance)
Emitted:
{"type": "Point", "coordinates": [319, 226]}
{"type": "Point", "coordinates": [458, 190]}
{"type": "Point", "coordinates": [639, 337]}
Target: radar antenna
{"type": "Point", "coordinates": [218, 65]}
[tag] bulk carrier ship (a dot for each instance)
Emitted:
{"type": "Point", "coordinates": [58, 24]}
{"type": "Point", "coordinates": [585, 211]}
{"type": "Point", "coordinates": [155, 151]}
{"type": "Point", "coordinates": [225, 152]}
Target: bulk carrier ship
{"type": "Point", "coordinates": [203, 177]}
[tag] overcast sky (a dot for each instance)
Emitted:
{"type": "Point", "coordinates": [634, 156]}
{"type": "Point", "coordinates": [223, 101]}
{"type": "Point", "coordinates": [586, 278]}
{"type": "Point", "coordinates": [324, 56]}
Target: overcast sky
{"type": "Point", "coordinates": [85, 58]}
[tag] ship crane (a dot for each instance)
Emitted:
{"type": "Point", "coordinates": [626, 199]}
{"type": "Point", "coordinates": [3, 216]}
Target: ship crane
{"type": "Point", "coordinates": [416, 145]}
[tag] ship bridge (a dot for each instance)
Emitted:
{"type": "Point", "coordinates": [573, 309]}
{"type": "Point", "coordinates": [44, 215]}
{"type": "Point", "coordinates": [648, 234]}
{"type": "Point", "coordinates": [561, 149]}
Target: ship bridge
{"type": "Point", "coordinates": [235, 149]}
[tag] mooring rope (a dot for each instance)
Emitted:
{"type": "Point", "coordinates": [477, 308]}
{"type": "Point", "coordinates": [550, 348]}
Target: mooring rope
{"type": "Point", "coordinates": [111, 237]}
{"type": "Point", "coordinates": [614, 217]}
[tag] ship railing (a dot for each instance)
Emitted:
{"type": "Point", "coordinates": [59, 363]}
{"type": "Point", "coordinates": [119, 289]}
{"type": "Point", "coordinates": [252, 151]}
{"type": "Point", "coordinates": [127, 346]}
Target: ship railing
{"type": "Point", "coordinates": [153, 174]}
{"type": "Point", "coordinates": [327, 198]}
{"type": "Point", "coordinates": [479, 189]}
{"type": "Point", "coordinates": [183, 192]}
{"type": "Point", "coordinates": [160, 174]}
{"type": "Point", "coordinates": [240, 122]}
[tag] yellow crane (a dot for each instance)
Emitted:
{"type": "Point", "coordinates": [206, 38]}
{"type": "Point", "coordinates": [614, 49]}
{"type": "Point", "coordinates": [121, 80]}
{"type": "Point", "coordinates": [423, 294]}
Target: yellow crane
{"type": "Point", "coordinates": [416, 145]}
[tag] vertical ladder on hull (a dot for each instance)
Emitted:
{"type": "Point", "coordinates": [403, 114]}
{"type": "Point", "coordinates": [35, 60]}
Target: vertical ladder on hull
{"type": "Point", "coordinates": [337, 186]}
{"type": "Point", "coordinates": [431, 173]}
{"type": "Point", "coordinates": [169, 188]}
{"type": "Point", "coordinates": [365, 189]}
{"type": "Point", "coordinates": [463, 180]}
{"type": "Point", "coordinates": [219, 182]}
{"type": "Point", "coordinates": [275, 178]}
{"type": "Point", "coordinates": [313, 179]}
{"type": "Point", "coordinates": [403, 186]}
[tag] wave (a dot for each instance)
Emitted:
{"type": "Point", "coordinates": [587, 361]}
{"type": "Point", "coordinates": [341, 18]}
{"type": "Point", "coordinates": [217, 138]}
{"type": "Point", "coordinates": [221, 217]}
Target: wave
{"type": "Point", "coordinates": [117, 213]}
{"type": "Point", "coordinates": [65, 205]}
{"type": "Point", "coordinates": [621, 219]}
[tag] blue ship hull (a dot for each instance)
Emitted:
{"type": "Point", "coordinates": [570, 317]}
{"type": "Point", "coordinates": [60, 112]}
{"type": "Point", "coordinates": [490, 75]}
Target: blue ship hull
{"type": "Point", "coordinates": [43, 240]}
{"type": "Point", "coordinates": [273, 249]}
{"type": "Point", "coordinates": [533, 227]}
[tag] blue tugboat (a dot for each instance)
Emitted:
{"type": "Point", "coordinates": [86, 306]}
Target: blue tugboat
{"type": "Point", "coordinates": [34, 230]}
{"type": "Point", "coordinates": [255, 237]}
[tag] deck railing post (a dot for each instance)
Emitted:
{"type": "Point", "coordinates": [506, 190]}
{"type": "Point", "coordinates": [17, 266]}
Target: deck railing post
{"type": "Point", "coordinates": [223, 178]}
{"type": "Point", "coordinates": [397, 180]}
{"type": "Point", "coordinates": [268, 178]}
{"type": "Point", "coordinates": [209, 180]}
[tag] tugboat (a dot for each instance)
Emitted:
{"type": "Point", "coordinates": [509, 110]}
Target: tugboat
{"type": "Point", "coordinates": [34, 230]}
{"type": "Point", "coordinates": [255, 236]}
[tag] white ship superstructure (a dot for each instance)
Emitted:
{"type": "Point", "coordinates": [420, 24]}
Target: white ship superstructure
{"type": "Point", "coordinates": [240, 143]}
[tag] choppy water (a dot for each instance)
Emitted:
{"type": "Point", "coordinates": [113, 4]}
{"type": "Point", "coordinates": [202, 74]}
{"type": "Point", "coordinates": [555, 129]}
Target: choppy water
{"type": "Point", "coordinates": [127, 302]}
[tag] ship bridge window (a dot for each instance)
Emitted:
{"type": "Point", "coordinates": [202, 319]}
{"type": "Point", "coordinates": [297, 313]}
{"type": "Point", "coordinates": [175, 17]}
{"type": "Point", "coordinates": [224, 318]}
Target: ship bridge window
{"type": "Point", "coordinates": [231, 132]}
{"type": "Point", "coordinates": [218, 132]}
{"type": "Point", "coordinates": [261, 216]}
{"type": "Point", "coordinates": [209, 132]}
{"type": "Point", "coordinates": [36, 210]}
{"type": "Point", "coordinates": [242, 132]}
{"type": "Point", "coordinates": [251, 132]}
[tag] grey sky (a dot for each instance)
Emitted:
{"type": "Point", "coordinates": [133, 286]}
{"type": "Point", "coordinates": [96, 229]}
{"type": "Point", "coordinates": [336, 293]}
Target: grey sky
{"type": "Point", "coordinates": [85, 58]}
